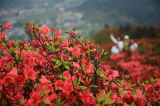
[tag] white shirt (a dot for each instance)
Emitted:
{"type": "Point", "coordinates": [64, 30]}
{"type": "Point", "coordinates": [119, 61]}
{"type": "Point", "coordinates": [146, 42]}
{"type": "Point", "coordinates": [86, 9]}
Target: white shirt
{"type": "Point", "coordinates": [119, 43]}
{"type": "Point", "coordinates": [133, 46]}
{"type": "Point", "coordinates": [114, 50]}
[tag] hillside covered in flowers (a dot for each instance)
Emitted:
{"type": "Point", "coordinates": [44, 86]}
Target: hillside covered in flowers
{"type": "Point", "coordinates": [49, 70]}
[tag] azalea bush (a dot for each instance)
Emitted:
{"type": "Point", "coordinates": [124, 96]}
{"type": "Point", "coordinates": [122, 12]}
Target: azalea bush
{"type": "Point", "coordinates": [51, 70]}
{"type": "Point", "coordinates": [147, 59]}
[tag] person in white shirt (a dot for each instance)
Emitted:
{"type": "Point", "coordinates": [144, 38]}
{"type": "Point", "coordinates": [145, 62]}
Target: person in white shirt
{"type": "Point", "coordinates": [117, 41]}
{"type": "Point", "coordinates": [115, 49]}
{"type": "Point", "coordinates": [133, 47]}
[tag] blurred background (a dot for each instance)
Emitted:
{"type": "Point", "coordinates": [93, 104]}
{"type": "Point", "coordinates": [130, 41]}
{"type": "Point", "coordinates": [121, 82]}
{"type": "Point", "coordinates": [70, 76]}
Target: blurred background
{"type": "Point", "coordinates": [94, 18]}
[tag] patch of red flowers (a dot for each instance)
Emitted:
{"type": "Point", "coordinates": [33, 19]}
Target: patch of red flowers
{"type": "Point", "coordinates": [55, 71]}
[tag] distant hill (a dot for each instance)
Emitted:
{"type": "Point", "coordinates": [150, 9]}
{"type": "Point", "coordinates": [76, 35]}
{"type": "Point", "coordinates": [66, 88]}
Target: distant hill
{"type": "Point", "coordinates": [26, 4]}
{"type": "Point", "coordinates": [120, 12]}
{"type": "Point", "coordinates": [8, 4]}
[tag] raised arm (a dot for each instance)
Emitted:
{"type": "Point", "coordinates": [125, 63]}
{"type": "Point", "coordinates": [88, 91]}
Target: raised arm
{"type": "Point", "coordinates": [113, 38]}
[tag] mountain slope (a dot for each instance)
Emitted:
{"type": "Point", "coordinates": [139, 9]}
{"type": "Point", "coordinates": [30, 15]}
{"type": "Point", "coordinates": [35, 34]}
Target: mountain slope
{"type": "Point", "coordinates": [117, 12]}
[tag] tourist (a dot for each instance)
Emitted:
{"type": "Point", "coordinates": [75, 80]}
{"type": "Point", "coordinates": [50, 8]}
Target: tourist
{"type": "Point", "coordinates": [133, 47]}
{"type": "Point", "coordinates": [117, 41]}
{"type": "Point", "coordinates": [115, 49]}
{"type": "Point", "coordinates": [126, 42]}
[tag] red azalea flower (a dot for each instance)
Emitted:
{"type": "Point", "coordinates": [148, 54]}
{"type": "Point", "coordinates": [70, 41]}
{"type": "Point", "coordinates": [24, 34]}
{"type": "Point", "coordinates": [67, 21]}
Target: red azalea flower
{"type": "Point", "coordinates": [2, 36]}
{"type": "Point", "coordinates": [58, 85]}
{"type": "Point", "coordinates": [52, 30]}
{"type": "Point", "coordinates": [44, 80]}
{"type": "Point", "coordinates": [76, 65]}
{"type": "Point", "coordinates": [31, 74]}
{"type": "Point", "coordinates": [87, 99]}
{"type": "Point", "coordinates": [67, 75]}
{"type": "Point", "coordinates": [13, 73]}
{"type": "Point", "coordinates": [30, 29]}
{"type": "Point", "coordinates": [67, 87]}
{"type": "Point", "coordinates": [27, 23]}
{"type": "Point", "coordinates": [7, 26]}
{"type": "Point", "coordinates": [8, 80]}
{"type": "Point", "coordinates": [148, 89]}
{"type": "Point", "coordinates": [44, 29]}
{"type": "Point", "coordinates": [1, 83]}
{"type": "Point", "coordinates": [84, 60]}
{"type": "Point", "coordinates": [71, 33]}
{"type": "Point", "coordinates": [59, 32]}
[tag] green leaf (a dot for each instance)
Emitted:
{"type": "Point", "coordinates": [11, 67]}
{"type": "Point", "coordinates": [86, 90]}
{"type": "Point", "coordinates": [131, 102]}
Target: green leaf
{"type": "Point", "coordinates": [0, 95]}
{"type": "Point", "coordinates": [27, 47]}
{"type": "Point", "coordinates": [98, 104]}
{"type": "Point", "coordinates": [17, 57]}
{"type": "Point", "coordinates": [147, 82]}
{"type": "Point", "coordinates": [46, 101]}
{"type": "Point", "coordinates": [107, 100]}
{"type": "Point", "coordinates": [65, 63]}
{"type": "Point", "coordinates": [102, 51]}
{"type": "Point", "coordinates": [56, 50]}
{"type": "Point", "coordinates": [83, 87]}
{"type": "Point", "coordinates": [93, 86]}
{"type": "Point", "coordinates": [62, 103]}
{"type": "Point", "coordinates": [65, 78]}
{"type": "Point", "coordinates": [36, 26]}
{"type": "Point", "coordinates": [153, 80]}
{"type": "Point", "coordinates": [20, 102]}
{"type": "Point", "coordinates": [58, 101]}
{"type": "Point", "coordinates": [35, 85]}
{"type": "Point", "coordinates": [75, 82]}
{"type": "Point", "coordinates": [97, 70]}
{"type": "Point", "coordinates": [110, 102]}
{"type": "Point", "coordinates": [105, 53]}
{"type": "Point", "coordinates": [60, 76]}
{"type": "Point", "coordinates": [76, 71]}
{"type": "Point", "coordinates": [46, 92]}
{"type": "Point", "coordinates": [125, 92]}
{"type": "Point", "coordinates": [128, 84]}
{"type": "Point", "coordinates": [57, 65]}
{"type": "Point", "coordinates": [2, 43]}
{"type": "Point", "coordinates": [62, 59]}
{"type": "Point", "coordinates": [54, 59]}
{"type": "Point", "coordinates": [72, 28]}
{"type": "Point", "coordinates": [136, 92]}
{"type": "Point", "coordinates": [37, 51]}
{"type": "Point", "coordinates": [102, 74]}
{"type": "Point", "coordinates": [67, 67]}
{"type": "Point", "coordinates": [11, 50]}
{"type": "Point", "coordinates": [4, 102]}
{"type": "Point", "coordinates": [9, 66]}
{"type": "Point", "coordinates": [39, 95]}
{"type": "Point", "coordinates": [121, 90]}
{"type": "Point", "coordinates": [138, 82]}
{"type": "Point", "coordinates": [79, 80]}
{"type": "Point", "coordinates": [108, 97]}
{"type": "Point", "coordinates": [43, 90]}
{"type": "Point", "coordinates": [100, 98]}
{"type": "Point", "coordinates": [83, 66]}
{"type": "Point", "coordinates": [57, 43]}
{"type": "Point", "coordinates": [132, 104]}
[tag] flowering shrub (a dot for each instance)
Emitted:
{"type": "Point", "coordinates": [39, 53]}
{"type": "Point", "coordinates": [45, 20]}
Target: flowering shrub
{"type": "Point", "coordinates": [55, 71]}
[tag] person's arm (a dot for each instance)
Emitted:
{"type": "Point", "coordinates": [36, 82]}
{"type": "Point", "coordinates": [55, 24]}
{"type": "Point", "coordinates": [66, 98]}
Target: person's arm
{"type": "Point", "coordinates": [113, 39]}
